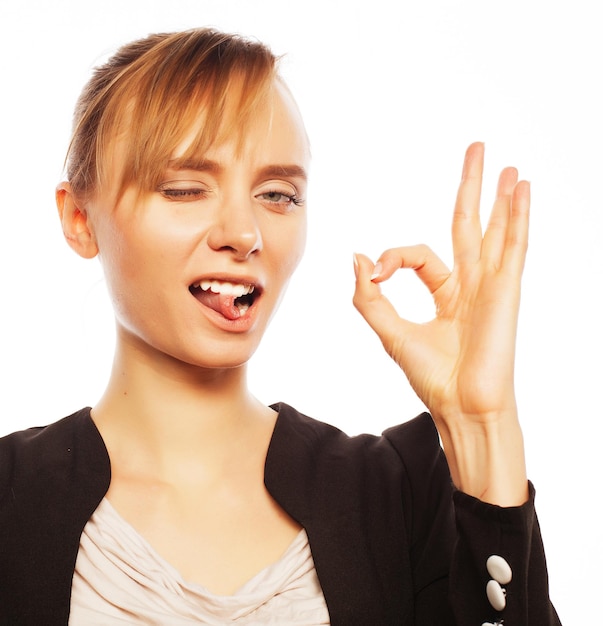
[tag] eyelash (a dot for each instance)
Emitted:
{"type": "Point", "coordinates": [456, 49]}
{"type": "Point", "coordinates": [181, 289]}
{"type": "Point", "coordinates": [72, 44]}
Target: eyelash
{"type": "Point", "coordinates": [175, 193]}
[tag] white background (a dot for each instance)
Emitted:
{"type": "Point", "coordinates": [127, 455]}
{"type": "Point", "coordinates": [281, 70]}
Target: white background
{"type": "Point", "coordinates": [392, 92]}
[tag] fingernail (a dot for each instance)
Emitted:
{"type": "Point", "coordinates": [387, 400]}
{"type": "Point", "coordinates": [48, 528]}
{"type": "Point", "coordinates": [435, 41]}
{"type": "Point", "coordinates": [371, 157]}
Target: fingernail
{"type": "Point", "coordinates": [355, 265]}
{"type": "Point", "coordinates": [377, 270]}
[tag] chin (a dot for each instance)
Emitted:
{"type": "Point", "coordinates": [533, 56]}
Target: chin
{"type": "Point", "coordinates": [216, 355]}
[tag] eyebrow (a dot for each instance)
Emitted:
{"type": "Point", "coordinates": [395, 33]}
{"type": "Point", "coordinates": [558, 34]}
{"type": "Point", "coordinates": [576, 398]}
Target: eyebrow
{"type": "Point", "coordinates": [206, 165]}
{"type": "Point", "coordinates": [197, 165]}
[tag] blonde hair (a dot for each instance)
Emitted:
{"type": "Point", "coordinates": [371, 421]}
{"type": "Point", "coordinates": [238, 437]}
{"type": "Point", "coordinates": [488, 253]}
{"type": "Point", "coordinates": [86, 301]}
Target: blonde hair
{"type": "Point", "coordinates": [150, 95]}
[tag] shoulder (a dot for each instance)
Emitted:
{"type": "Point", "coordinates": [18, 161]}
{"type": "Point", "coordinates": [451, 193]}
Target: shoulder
{"type": "Point", "coordinates": [298, 436]}
{"type": "Point", "coordinates": [306, 454]}
{"type": "Point", "coordinates": [31, 440]}
{"type": "Point", "coordinates": [33, 457]}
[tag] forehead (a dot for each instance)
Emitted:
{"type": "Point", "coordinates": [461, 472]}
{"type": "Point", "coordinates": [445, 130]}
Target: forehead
{"type": "Point", "coordinates": [274, 132]}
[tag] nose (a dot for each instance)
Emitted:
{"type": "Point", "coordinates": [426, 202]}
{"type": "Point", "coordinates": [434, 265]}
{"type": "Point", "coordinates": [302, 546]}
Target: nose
{"type": "Point", "coordinates": [236, 229]}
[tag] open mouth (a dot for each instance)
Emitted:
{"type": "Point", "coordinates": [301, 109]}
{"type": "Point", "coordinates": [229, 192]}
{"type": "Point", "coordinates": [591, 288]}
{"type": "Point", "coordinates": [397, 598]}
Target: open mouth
{"type": "Point", "coordinates": [232, 300]}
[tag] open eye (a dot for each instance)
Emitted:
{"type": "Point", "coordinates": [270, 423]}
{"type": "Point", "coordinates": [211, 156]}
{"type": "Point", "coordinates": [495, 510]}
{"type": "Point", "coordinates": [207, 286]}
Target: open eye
{"type": "Point", "coordinates": [280, 200]}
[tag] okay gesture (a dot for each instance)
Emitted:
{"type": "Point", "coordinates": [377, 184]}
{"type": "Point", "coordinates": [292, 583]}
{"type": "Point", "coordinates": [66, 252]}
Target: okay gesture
{"type": "Point", "coordinates": [461, 363]}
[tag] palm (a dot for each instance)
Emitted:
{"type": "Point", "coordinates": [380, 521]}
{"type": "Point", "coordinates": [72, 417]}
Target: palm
{"type": "Point", "coordinates": [461, 362]}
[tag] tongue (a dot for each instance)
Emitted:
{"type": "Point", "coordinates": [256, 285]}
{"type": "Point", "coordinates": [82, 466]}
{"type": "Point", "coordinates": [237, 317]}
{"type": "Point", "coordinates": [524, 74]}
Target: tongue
{"type": "Point", "coordinates": [220, 303]}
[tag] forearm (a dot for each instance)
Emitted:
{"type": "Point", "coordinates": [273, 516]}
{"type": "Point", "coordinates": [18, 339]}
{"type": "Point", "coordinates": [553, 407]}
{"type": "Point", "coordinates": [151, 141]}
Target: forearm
{"type": "Point", "coordinates": [486, 457]}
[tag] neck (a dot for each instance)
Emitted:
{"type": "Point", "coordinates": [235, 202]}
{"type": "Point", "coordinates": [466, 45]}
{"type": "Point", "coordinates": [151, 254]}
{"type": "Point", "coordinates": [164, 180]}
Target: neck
{"type": "Point", "coordinates": [164, 410]}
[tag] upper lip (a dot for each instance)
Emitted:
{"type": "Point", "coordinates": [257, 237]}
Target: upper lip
{"type": "Point", "coordinates": [230, 278]}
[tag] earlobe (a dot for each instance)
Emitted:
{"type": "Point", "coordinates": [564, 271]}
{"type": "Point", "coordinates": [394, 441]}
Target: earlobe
{"type": "Point", "coordinates": [74, 220]}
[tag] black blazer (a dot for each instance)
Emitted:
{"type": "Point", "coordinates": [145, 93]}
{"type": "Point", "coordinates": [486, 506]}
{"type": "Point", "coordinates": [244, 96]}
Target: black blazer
{"type": "Point", "coordinates": [392, 541]}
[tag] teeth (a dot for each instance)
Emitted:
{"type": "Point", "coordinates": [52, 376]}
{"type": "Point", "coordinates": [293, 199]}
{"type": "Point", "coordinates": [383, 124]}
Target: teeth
{"type": "Point", "coordinates": [225, 288]}
{"type": "Point", "coordinates": [238, 290]}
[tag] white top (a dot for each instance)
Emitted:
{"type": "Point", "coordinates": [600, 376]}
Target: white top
{"type": "Point", "coordinates": [120, 579]}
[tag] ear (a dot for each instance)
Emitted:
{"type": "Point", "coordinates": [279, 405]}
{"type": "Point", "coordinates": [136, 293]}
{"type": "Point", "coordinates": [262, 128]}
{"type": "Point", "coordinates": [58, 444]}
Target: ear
{"type": "Point", "coordinates": [75, 222]}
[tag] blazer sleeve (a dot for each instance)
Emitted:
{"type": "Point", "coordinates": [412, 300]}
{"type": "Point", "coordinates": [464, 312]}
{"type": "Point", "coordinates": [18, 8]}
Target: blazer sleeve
{"type": "Point", "coordinates": [513, 533]}
{"type": "Point", "coordinates": [452, 536]}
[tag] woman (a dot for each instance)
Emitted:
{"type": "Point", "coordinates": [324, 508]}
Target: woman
{"type": "Point", "coordinates": [179, 498]}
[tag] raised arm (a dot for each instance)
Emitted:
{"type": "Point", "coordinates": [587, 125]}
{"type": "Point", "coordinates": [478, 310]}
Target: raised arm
{"type": "Point", "coordinates": [461, 363]}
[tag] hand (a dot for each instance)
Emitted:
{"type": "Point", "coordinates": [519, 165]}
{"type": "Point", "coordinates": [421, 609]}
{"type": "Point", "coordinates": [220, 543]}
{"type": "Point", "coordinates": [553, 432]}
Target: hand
{"type": "Point", "coordinates": [461, 363]}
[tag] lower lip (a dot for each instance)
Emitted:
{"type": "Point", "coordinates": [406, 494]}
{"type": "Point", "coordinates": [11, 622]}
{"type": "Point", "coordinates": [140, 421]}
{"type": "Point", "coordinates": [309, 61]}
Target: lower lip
{"type": "Point", "coordinates": [242, 324]}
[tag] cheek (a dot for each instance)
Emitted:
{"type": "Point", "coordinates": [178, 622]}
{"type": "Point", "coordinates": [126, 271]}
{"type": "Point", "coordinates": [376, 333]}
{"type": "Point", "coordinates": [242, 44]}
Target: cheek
{"type": "Point", "coordinates": [299, 250]}
{"type": "Point", "coordinates": [133, 264]}
{"type": "Point", "coordinates": [291, 245]}
{"type": "Point", "coordinates": [133, 249]}
{"type": "Point", "coordinates": [124, 272]}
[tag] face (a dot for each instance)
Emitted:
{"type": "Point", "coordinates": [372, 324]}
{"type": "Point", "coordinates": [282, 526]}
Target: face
{"type": "Point", "coordinates": [197, 267]}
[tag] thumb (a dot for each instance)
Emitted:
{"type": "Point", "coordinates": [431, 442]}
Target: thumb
{"type": "Point", "coordinates": [376, 309]}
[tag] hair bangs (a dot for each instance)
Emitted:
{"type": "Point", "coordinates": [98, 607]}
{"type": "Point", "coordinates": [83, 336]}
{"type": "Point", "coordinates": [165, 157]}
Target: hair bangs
{"type": "Point", "coordinates": [201, 87]}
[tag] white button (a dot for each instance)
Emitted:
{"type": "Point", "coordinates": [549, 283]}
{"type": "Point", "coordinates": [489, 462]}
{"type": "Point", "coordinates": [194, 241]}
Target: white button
{"type": "Point", "coordinates": [492, 624]}
{"type": "Point", "coordinates": [499, 569]}
{"type": "Point", "coordinates": [496, 595]}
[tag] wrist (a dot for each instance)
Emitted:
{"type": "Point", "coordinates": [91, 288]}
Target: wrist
{"type": "Point", "coordinates": [486, 456]}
